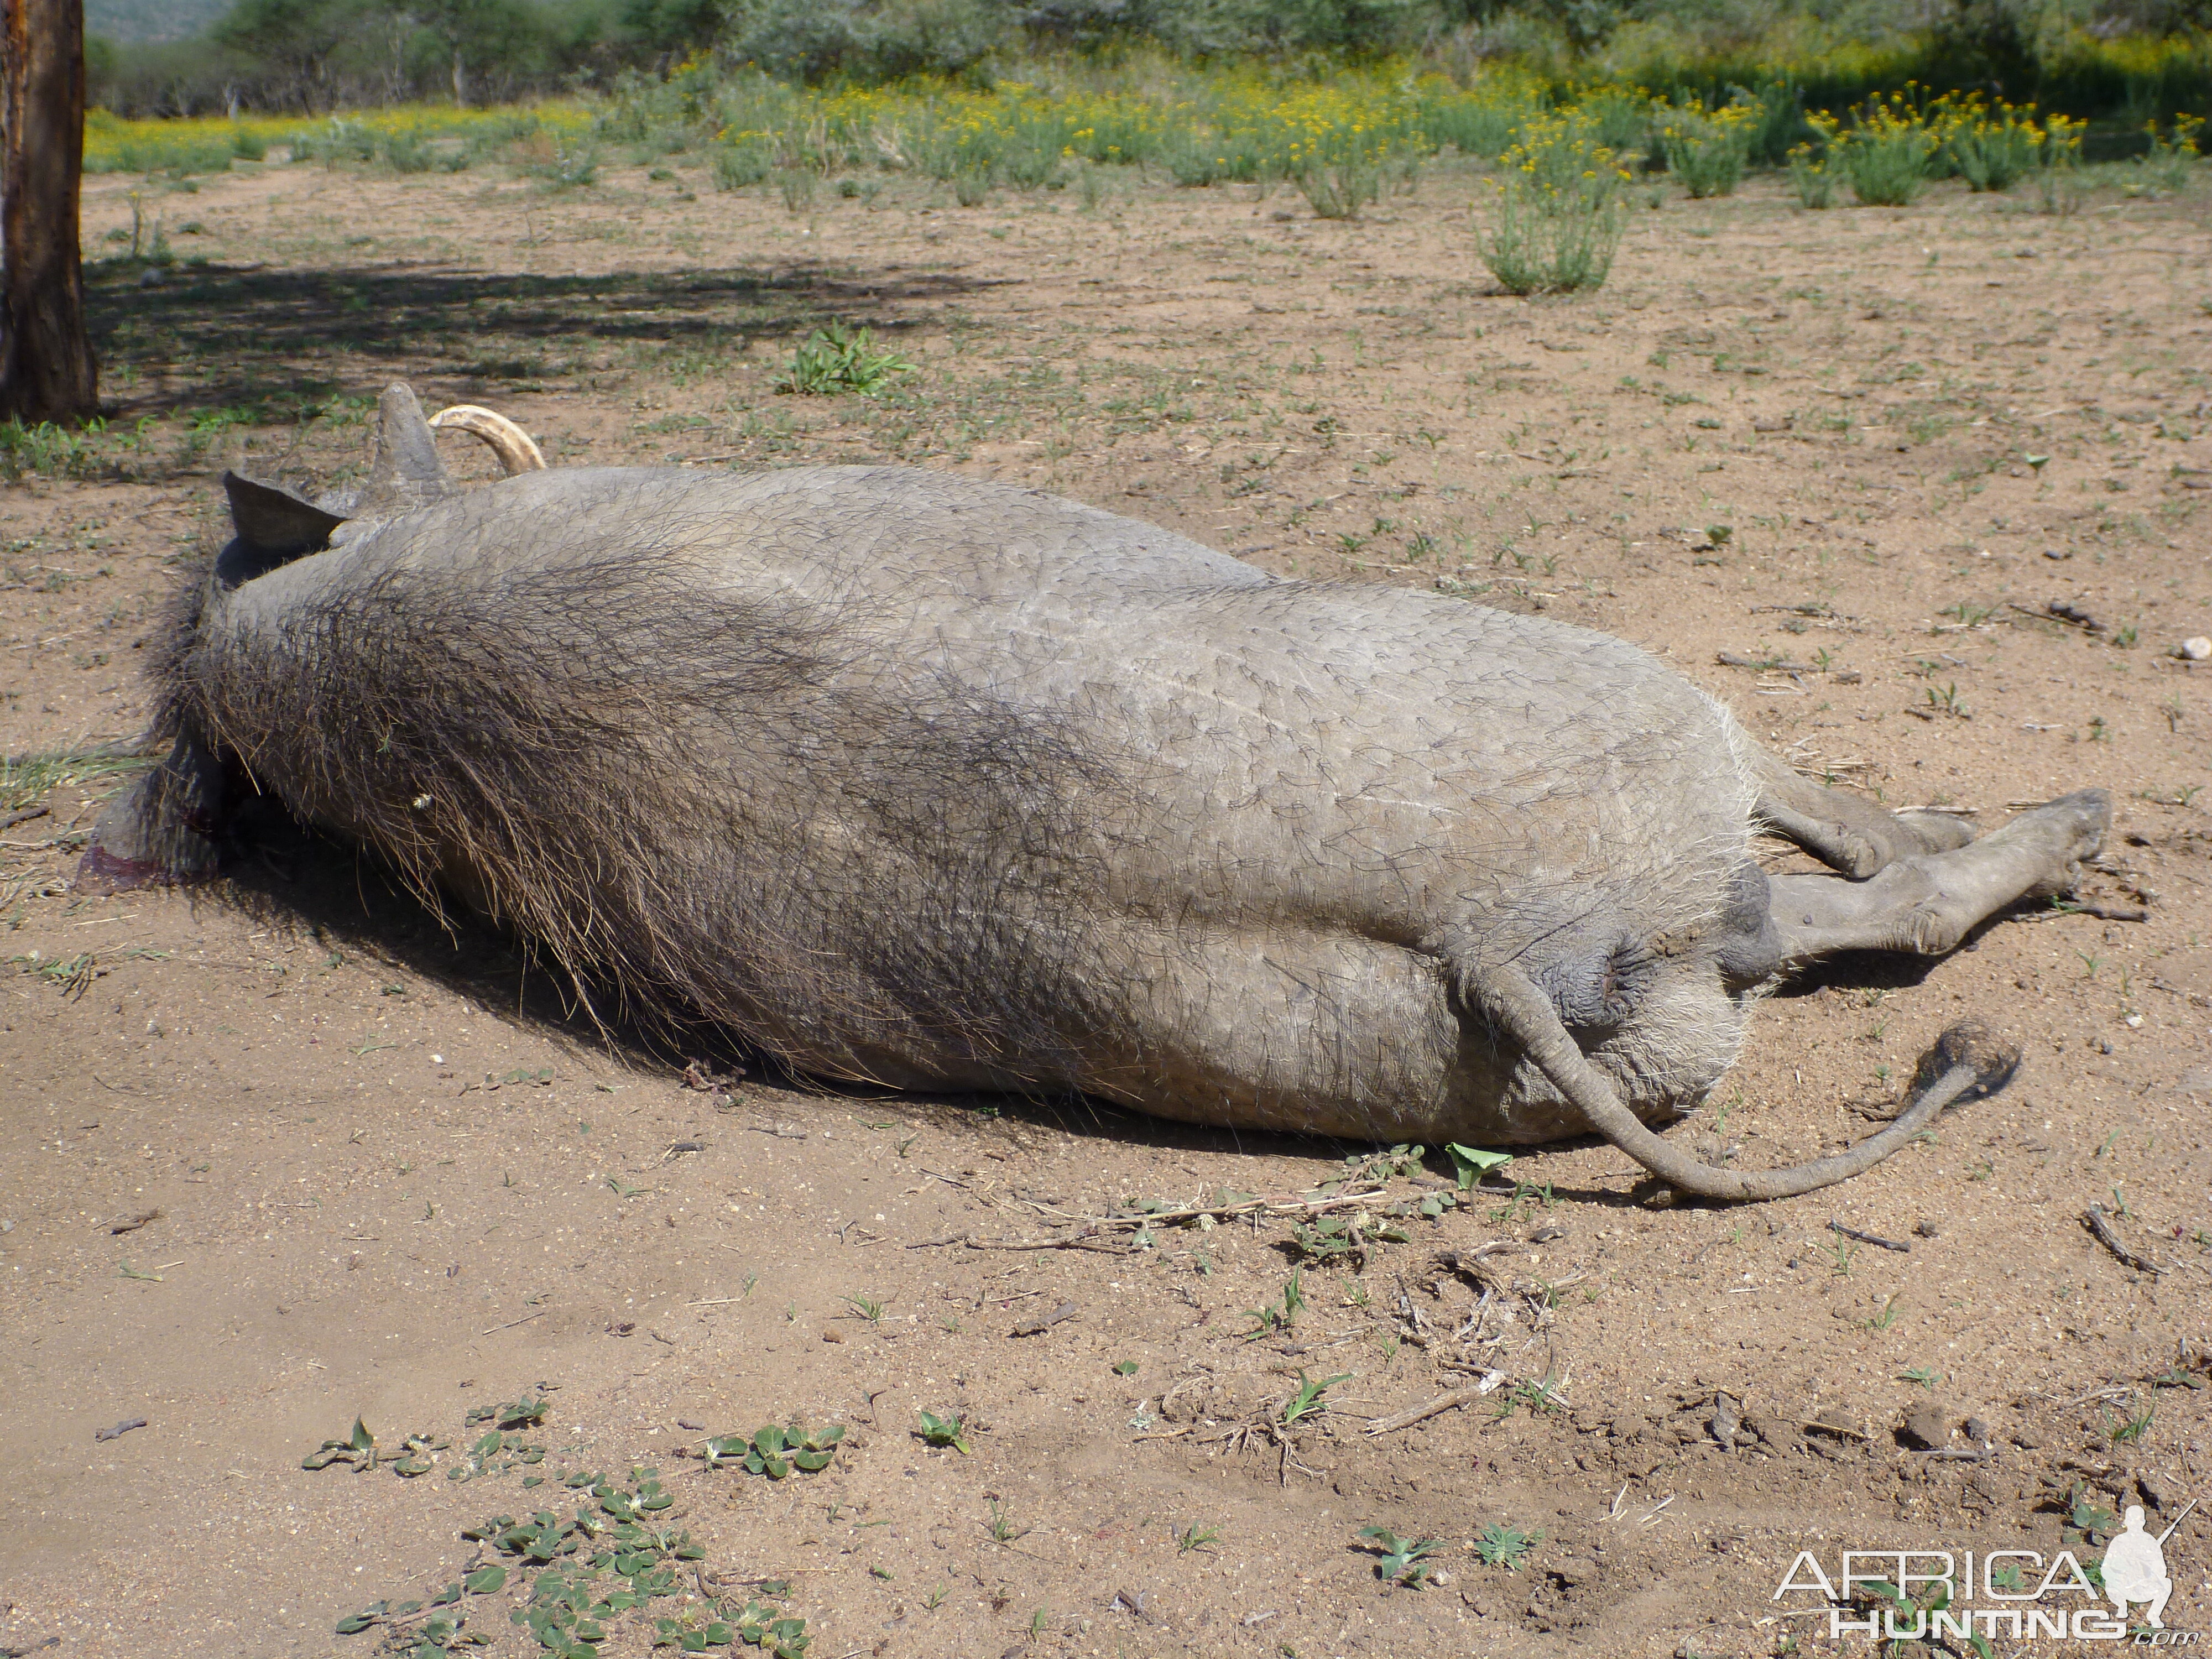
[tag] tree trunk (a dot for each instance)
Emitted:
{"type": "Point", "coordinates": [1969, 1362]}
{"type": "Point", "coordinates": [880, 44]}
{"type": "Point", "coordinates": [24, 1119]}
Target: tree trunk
{"type": "Point", "coordinates": [46, 368]}
{"type": "Point", "coordinates": [460, 80]}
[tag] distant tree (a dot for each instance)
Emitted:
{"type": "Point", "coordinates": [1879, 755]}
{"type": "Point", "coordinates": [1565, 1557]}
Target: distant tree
{"type": "Point", "coordinates": [300, 42]}
{"type": "Point", "coordinates": [476, 34]}
{"type": "Point", "coordinates": [671, 27]}
{"type": "Point", "coordinates": [46, 367]}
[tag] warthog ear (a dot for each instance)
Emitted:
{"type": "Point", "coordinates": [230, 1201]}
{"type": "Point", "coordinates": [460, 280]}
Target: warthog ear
{"type": "Point", "coordinates": [407, 473]}
{"type": "Point", "coordinates": [273, 526]}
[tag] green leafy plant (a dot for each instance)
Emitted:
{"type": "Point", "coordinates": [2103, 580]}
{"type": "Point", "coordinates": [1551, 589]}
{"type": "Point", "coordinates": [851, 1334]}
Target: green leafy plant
{"type": "Point", "coordinates": [1809, 177]}
{"type": "Point", "coordinates": [1280, 1315]}
{"type": "Point", "coordinates": [1527, 1195]}
{"type": "Point", "coordinates": [361, 1452]}
{"type": "Point", "coordinates": [1338, 178]}
{"type": "Point", "coordinates": [1556, 220]}
{"type": "Point", "coordinates": [1502, 1545]}
{"type": "Point", "coordinates": [1538, 1396]}
{"type": "Point", "coordinates": [950, 1430]}
{"type": "Point", "coordinates": [526, 1413]}
{"type": "Point", "coordinates": [1993, 149]}
{"type": "Point", "coordinates": [838, 359]}
{"type": "Point", "coordinates": [741, 162]}
{"type": "Point", "coordinates": [1194, 1537]}
{"type": "Point", "coordinates": [617, 1550]}
{"type": "Point", "coordinates": [775, 1452]}
{"type": "Point", "coordinates": [1887, 153]}
{"type": "Point", "coordinates": [2170, 159]}
{"type": "Point", "coordinates": [1401, 1560]}
{"type": "Point", "coordinates": [1707, 150]}
{"type": "Point", "coordinates": [1471, 1163]}
{"type": "Point", "coordinates": [1308, 1401]}
{"type": "Point", "coordinates": [1329, 1237]}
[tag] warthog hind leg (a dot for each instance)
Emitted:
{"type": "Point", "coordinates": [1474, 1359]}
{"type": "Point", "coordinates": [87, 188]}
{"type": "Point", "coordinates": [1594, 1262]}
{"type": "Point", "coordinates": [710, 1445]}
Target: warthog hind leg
{"type": "Point", "coordinates": [1845, 831]}
{"type": "Point", "coordinates": [1927, 903]}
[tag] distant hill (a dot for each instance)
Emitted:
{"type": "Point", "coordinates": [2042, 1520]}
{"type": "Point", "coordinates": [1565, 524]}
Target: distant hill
{"type": "Point", "coordinates": [133, 20]}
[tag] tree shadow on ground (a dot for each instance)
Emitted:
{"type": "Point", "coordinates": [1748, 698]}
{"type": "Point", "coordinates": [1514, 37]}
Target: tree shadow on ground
{"type": "Point", "coordinates": [174, 338]}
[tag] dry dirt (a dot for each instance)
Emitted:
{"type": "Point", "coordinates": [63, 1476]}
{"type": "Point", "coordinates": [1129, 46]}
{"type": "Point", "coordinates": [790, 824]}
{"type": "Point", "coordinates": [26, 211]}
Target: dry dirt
{"type": "Point", "coordinates": [1919, 427]}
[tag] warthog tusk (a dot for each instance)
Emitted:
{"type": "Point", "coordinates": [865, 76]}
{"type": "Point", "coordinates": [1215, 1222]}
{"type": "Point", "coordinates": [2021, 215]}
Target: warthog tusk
{"type": "Point", "coordinates": [516, 450]}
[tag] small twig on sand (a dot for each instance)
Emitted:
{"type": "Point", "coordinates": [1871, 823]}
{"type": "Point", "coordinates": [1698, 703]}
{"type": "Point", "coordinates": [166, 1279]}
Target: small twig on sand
{"type": "Point", "coordinates": [1451, 1400]}
{"type": "Point", "coordinates": [1281, 1204]}
{"type": "Point", "coordinates": [1074, 1242]}
{"type": "Point", "coordinates": [1776, 664]}
{"type": "Point", "coordinates": [2094, 1218]}
{"type": "Point", "coordinates": [1045, 1322]}
{"type": "Point", "coordinates": [2102, 912]}
{"type": "Point", "coordinates": [1870, 1239]}
{"type": "Point", "coordinates": [22, 815]}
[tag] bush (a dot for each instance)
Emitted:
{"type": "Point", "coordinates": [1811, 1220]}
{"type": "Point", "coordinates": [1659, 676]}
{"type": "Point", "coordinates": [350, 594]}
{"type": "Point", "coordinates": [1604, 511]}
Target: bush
{"type": "Point", "coordinates": [1558, 217]}
{"type": "Point", "coordinates": [1888, 153]}
{"type": "Point", "coordinates": [816, 40]}
{"type": "Point", "coordinates": [1707, 150]}
{"type": "Point", "coordinates": [741, 162]}
{"type": "Point", "coordinates": [405, 151]}
{"type": "Point", "coordinates": [2170, 162]}
{"type": "Point", "coordinates": [337, 140]}
{"type": "Point", "coordinates": [1815, 185]}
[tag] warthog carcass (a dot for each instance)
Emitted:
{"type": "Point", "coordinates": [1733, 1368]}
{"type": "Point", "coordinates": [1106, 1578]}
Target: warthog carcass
{"type": "Point", "coordinates": [948, 785]}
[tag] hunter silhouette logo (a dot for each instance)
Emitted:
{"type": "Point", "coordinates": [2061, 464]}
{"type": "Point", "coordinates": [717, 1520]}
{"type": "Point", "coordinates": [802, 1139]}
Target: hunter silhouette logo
{"type": "Point", "coordinates": [1975, 1598]}
{"type": "Point", "coordinates": [2134, 1566]}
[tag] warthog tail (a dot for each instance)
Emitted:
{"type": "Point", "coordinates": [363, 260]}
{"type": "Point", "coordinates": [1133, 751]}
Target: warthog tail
{"type": "Point", "coordinates": [1966, 1059]}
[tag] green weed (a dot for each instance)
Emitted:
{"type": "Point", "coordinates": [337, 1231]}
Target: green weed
{"type": "Point", "coordinates": [774, 1451]}
{"type": "Point", "coordinates": [1401, 1560]}
{"type": "Point", "coordinates": [837, 359]}
{"type": "Point", "coordinates": [1502, 1545]}
{"type": "Point", "coordinates": [951, 1431]}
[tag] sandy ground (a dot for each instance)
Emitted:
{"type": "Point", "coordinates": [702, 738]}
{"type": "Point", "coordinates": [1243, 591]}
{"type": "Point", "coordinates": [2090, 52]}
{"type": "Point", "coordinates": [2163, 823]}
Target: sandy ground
{"type": "Point", "coordinates": [368, 1168]}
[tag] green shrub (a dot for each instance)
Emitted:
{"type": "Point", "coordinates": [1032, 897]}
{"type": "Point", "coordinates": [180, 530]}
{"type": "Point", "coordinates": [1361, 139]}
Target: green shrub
{"type": "Point", "coordinates": [178, 157]}
{"type": "Point", "coordinates": [1618, 118]}
{"type": "Point", "coordinates": [2170, 162]}
{"type": "Point", "coordinates": [1887, 154]}
{"type": "Point", "coordinates": [1337, 189]}
{"type": "Point", "coordinates": [1815, 185]}
{"type": "Point", "coordinates": [1992, 149]}
{"type": "Point", "coordinates": [1556, 220]}
{"type": "Point", "coordinates": [796, 187]}
{"type": "Point", "coordinates": [1471, 125]}
{"type": "Point", "coordinates": [1707, 150]}
{"type": "Point", "coordinates": [405, 152]}
{"type": "Point", "coordinates": [740, 163]}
